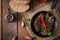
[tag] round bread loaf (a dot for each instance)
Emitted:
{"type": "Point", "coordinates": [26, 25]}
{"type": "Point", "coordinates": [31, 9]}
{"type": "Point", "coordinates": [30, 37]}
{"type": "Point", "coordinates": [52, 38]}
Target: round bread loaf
{"type": "Point", "coordinates": [18, 8]}
{"type": "Point", "coordinates": [21, 1]}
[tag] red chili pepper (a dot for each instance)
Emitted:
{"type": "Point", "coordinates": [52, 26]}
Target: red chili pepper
{"type": "Point", "coordinates": [43, 0]}
{"type": "Point", "coordinates": [42, 19]}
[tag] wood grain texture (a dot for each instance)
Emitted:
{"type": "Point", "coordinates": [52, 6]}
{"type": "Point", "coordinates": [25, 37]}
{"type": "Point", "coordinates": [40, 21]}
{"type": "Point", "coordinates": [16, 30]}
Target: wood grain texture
{"type": "Point", "coordinates": [22, 31]}
{"type": "Point", "coordinates": [0, 19]}
{"type": "Point", "coordinates": [9, 29]}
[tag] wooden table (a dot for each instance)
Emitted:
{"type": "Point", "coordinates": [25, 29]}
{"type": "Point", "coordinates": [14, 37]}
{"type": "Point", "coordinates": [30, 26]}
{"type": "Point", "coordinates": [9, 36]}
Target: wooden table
{"type": "Point", "coordinates": [10, 29]}
{"type": "Point", "coordinates": [0, 19]}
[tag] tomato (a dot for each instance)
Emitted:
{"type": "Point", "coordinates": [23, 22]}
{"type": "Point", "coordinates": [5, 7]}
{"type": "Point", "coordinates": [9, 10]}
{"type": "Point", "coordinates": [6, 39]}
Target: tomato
{"type": "Point", "coordinates": [43, 0]}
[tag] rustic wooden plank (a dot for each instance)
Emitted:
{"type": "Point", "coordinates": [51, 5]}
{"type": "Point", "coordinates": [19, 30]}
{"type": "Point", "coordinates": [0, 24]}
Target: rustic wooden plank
{"type": "Point", "coordinates": [9, 29]}
{"type": "Point", "coordinates": [0, 19]}
{"type": "Point", "coordinates": [22, 31]}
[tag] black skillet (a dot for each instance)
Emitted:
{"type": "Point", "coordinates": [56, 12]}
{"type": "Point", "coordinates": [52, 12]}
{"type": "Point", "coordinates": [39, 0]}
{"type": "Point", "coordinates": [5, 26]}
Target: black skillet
{"type": "Point", "coordinates": [9, 17]}
{"type": "Point", "coordinates": [44, 12]}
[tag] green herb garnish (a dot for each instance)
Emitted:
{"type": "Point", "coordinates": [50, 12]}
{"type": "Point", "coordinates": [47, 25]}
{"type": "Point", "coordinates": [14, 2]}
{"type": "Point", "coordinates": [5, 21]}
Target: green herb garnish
{"type": "Point", "coordinates": [28, 21]}
{"type": "Point", "coordinates": [49, 33]}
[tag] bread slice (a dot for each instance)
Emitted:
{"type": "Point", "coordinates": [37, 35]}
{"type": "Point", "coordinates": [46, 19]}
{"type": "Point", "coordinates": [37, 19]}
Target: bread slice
{"type": "Point", "coordinates": [18, 8]}
{"type": "Point", "coordinates": [21, 1]}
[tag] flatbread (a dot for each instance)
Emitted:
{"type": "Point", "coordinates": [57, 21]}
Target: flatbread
{"type": "Point", "coordinates": [21, 1]}
{"type": "Point", "coordinates": [18, 8]}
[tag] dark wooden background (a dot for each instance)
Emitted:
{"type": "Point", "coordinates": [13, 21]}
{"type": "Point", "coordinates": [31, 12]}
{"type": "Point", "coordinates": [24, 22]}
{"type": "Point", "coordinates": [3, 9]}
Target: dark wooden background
{"type": "Point", "coordinates": [0, 19]}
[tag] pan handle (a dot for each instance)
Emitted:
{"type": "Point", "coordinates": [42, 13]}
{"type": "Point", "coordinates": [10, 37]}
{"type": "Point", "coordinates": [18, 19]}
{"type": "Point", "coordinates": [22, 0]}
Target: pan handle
{"type": "Point", "coordinates": [54, 4]}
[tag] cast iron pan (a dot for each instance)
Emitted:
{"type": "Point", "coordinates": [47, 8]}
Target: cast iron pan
{"type": "Point", "coordinates": [33, 27]}
{"type": "Point", "coordinates": [44, 12]}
